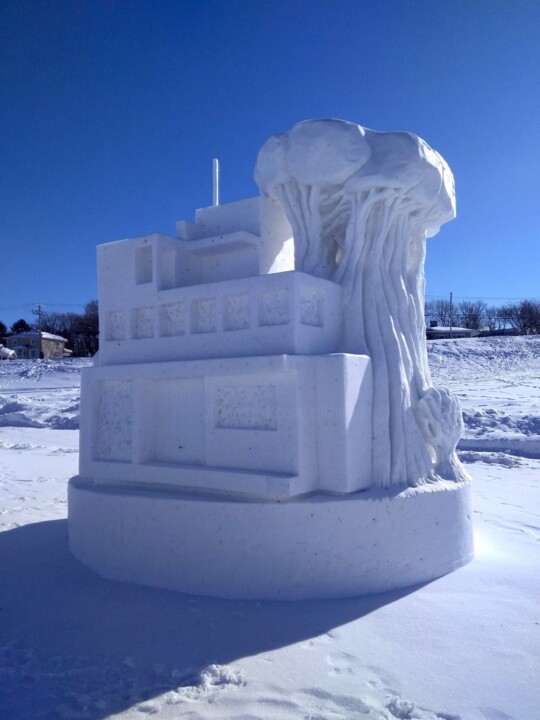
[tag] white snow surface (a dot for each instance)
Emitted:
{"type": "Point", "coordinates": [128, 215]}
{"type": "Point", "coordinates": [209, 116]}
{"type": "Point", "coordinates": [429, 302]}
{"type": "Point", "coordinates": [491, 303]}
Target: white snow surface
{"type": "Point", "coordinates": [466, 646]}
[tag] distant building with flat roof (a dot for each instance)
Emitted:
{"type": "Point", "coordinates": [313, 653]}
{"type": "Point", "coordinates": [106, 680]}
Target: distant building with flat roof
{"type": "Point", "coordinates": [449, 333]}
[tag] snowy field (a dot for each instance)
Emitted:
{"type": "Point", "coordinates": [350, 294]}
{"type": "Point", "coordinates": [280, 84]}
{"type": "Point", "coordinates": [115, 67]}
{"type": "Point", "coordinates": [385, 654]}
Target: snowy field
{"type": "Point", "coordinates": [466, 646]}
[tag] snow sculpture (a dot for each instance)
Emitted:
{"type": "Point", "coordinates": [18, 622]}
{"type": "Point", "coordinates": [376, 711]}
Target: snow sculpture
{"type": "Point", "coordinates": [260, 421]}
{"type": "Point", "coordinates": [361, 204]}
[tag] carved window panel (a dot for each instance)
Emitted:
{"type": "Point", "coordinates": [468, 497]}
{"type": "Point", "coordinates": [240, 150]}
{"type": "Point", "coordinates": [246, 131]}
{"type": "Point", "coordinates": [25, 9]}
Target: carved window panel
{"type": "Point", "coordinates": [117, 325]}
{"type": "Point", "coordinates": [143, 323]}
{"type": "Point", "coordinates": [203, 316]}
{"type": "Point", "coordinates": [144, 271]}
{"type": "Point", "coordinates": [311, 307]}
{"type": "Point", "coordinates": [246, 407]}
{"type": "Point", "coordinates": [274, 307]}
{"type": "Point", "coordinates": [114, 420]}
{"type": "Point", "coordinates": [172, 319]}
{"type": "Point", "coordinates": [236, 311]}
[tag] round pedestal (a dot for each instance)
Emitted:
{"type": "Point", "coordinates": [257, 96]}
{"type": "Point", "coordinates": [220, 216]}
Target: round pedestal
{"type": "Point", "coordinates": [312, 547]}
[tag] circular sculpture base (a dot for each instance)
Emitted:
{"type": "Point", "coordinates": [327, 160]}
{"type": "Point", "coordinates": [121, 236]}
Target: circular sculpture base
{"type": "Point", "coordinates": [312, 547]}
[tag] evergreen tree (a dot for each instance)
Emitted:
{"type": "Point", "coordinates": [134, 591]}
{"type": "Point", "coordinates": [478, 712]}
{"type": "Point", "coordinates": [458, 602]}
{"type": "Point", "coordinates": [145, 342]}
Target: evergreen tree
{"type": "Point", "coordinates": [20, 326]}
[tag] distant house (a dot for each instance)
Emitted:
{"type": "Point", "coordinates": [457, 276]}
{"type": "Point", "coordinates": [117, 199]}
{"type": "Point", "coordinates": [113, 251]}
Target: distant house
{"type": "Point", "coordinates": [447, 333]}
{"type": "Point", "coordinates": [33, 344]}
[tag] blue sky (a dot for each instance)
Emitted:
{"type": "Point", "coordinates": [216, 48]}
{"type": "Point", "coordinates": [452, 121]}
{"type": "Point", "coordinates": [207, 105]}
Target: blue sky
{"type": "Point", "coordinates": [111, 113]}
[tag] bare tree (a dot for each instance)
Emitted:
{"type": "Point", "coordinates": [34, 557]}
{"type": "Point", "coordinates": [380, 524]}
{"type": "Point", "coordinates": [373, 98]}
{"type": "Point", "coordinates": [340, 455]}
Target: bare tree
{"type": "Point", "coordinates": [429, 312]}
{"type": "Point", "coordinates": [89, 326]}
{"type": "Point", "coordinates": [472, 314]}
{"type": "Point", "coordinates": [443, 312]}
{"type": "Point", "coordinates": [494, 320]}
{"type": "Point", "coordinates": [80, 331]}
{"type": "Point", "coordinates": [54, 323]}
{"type": "Point", "coordinates": [523, 317]}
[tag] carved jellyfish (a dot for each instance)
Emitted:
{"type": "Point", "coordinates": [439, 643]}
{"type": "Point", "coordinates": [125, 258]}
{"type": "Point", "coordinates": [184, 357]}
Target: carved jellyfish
{"type": "Point", "coordinates": [361, 204]}
{"type": "Point", "coordinates": [306, 170]}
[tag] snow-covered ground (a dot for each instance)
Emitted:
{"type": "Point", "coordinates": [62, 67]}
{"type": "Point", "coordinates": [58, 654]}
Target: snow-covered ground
{"type": "Point", "coordinates": [467, 646]}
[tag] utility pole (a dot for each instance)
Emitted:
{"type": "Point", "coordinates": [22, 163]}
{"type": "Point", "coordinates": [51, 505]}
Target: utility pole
{"type": "Point", "coordinates": [38, 312]}
{"type": "Point", "coordinates": [451, 315]}
{"type": "Point", "coordinates": [215, 182]}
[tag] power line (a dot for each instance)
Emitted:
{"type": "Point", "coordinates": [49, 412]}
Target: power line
{"type": "Point", "coordinates": [64, 304]}
{"type": "Point", "coordinates": [29, 306]}
{"type": "Point", "coordinates": [481, 297]}
{"type": "Point", "coordinates": [26, 306]}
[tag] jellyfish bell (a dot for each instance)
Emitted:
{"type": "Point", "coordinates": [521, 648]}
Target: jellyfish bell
{"type": "Point", "coordinates": [446, 201]}
{"type": "Point", "coordinates": [404, 167]}
{"type": "Point", "coordinates": [271, 169]}
{"type": "Point", "coordinates": [326, 152]}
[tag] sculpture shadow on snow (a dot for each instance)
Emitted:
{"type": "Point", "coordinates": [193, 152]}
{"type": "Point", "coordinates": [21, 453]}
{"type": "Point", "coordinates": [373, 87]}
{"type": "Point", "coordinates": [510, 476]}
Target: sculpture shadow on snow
{"type": "Point", "coordinates": [75, 645]}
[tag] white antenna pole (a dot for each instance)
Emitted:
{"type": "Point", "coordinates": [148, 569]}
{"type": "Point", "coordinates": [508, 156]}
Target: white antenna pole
{"type": "Point", "coordinates": [215, 174]}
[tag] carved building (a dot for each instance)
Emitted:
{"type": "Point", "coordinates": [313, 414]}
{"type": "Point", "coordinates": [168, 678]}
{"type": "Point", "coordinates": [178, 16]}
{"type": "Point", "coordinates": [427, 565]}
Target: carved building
{"type": "Point", "coordinates": [216, 370]}
{"type": "Point", "coordinates": [279, 387]}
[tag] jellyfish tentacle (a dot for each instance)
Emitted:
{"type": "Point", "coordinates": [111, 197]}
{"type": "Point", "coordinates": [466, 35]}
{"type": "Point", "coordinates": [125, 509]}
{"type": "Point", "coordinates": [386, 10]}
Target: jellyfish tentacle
{"type": "Point", "coordinates": [361, 205]}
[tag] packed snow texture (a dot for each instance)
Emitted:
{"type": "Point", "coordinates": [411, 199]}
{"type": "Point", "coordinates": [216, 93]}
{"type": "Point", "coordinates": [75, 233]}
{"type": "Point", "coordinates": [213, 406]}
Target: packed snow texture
{"type": "Point", "coordinates": [464, 647]}
{"type": "Point", "coordinates": [361, 204]}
